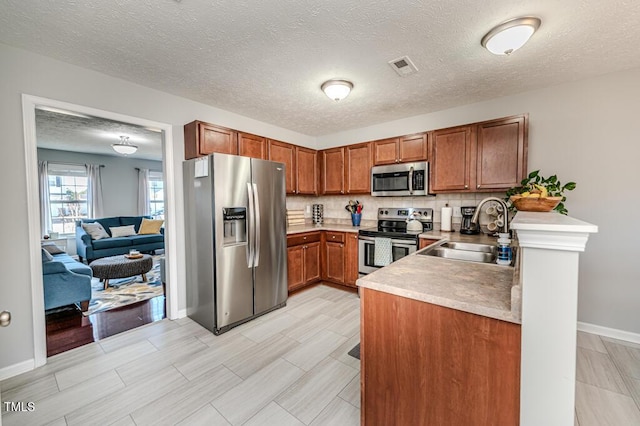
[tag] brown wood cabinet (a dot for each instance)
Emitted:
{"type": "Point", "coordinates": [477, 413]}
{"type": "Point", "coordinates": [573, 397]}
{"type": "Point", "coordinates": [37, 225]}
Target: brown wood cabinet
{"type": "Point", "coordinates": [303, 259]}
{"type": "Point", "coordinates": [285, 153]}
{"type": "Point", "coordinates": [502, 153]}
{"type": "Point", "coordinates": [424, 364]}
{"type": "Point", "coordinates": [332, 172]}
{"type": "Point", "coordinates": [357, 169]}
{"type": "Point", "coordinates": [252, 146]}
{"type": "Point", "coordinates": [423, 242]}
{"type": "Point", "coordinates": [334, 257]}
{"type": "Point", "coordinates": [451, 159]}
{"type": "Point", "coordinates": [306, 171]}
{"type": "Point", "coordinates": [487, 156]}
{"type": "Point", "coordinates": [403, 149]}
{"type": "Point", "coordinates": [351, 259]}
{"type": "Point", "coordinates": [202, 139]}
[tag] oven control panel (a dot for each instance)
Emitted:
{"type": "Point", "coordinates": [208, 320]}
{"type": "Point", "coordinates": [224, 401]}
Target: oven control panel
{"type": "Point", "coordinates": [422, 214]}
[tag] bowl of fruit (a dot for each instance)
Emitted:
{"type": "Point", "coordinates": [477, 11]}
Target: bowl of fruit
{"type": "Point", "coordinates": [539, 194]}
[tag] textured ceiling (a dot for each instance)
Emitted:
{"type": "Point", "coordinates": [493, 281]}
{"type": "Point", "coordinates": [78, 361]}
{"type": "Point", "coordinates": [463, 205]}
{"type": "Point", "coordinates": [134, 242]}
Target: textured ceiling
{"type": "Point", "coordinates": [94, 135]}
{"type": "Point", "coordinates": [266, 60]}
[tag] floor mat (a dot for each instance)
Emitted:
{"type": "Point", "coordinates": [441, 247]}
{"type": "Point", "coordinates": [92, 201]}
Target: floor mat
{"type": "Point", "coordinates": [125, 291]}
{"type": "Point", "coordinates": [355, 352]}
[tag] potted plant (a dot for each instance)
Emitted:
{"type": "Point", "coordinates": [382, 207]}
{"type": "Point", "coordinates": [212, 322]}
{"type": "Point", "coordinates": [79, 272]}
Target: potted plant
{"type": "Point", "coordinates": [537, 193]}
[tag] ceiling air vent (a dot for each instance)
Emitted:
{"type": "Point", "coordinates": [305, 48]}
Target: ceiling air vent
{"type": "Point", "coordinates": [403, 66]}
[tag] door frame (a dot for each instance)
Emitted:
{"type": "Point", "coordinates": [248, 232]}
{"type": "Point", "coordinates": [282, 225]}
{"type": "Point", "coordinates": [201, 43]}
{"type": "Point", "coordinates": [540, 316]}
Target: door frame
{"type": "Point", "coordinates": [29, 104]}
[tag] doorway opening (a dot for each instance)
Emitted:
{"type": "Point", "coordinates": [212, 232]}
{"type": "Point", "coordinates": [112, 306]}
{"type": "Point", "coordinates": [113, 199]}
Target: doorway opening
{"type": "Point", "coordinates": [70, 203]}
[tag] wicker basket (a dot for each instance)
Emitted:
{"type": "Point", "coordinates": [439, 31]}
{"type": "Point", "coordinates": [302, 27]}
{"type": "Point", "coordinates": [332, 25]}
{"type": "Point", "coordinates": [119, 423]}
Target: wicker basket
{"type": "Point", "coordinates": [529, 204]}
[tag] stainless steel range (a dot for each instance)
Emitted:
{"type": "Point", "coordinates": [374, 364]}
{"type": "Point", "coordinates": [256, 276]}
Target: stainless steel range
{"type": "Point", "coordinates": [392, 225]}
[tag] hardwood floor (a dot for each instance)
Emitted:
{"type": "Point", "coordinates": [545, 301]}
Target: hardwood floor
{"type": "Point", "coordinates": [67, 328]}
{"type": "Point", "coordinates": [289, 367]}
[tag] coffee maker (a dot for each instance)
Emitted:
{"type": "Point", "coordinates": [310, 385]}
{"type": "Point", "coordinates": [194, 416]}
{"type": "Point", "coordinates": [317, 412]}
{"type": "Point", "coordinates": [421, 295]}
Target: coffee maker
{"type": "Point", "coordinates": [468, 227]}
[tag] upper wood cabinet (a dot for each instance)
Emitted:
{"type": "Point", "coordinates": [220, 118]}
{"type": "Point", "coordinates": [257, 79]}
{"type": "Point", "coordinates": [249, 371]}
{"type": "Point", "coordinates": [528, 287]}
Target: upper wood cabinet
{"type": "Point", "coordinates": [202, 139]}
{"type": "Point", "coordinates": [332, 170]}
{"type": "Point", "coordinates": [285, 153]}
{"type": "Point", "coordinates": [357, 169]}
{"type": "Point", "coordinates": [252, 146]}
{"type": "Point", "coordinates": [502, 153]}
{"type": "Point", "coordinates": [306, 171]}
{"type": "Point", "coordinates": [450, 155]}
{"type": "Point", "coordinates": [487, 156]}
{"type": "Point", "coordinates": [402, 149]}
{"type": "Point", "coordinates": [385, 151]}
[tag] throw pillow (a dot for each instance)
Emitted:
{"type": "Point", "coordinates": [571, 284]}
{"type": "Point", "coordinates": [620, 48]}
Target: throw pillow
{"type": "Point", "coordinates": [46, 256]}
{"type": "Point", "coordinates": [52, 248]}
{"type": "Point", "coordinates": [122, 231]}
{"type": "Point", "coordinates": [95, 230]}
{"type": "Point", "coordinates": [150, 226]}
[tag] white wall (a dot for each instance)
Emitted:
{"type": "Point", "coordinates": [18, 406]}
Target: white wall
{"type": "Point", "coordinates": [23, 72]}
{"type": "Point", "coordinates": [586, 132]}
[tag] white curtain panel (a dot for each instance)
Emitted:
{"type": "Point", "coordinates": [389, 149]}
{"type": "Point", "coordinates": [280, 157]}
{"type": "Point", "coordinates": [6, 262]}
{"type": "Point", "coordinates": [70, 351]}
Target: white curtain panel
{"type": "Point", "coordinates": [94, 195]}
{"type": "Point", "coordinates": [45, 211]}
{"type": "Point", "coordinates": [144, 203]}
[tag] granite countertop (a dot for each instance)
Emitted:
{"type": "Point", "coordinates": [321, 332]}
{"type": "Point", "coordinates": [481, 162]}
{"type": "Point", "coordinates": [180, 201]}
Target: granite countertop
{"type": "Point", "coordinates": [484, 289]}
{"type": "Point", "coordinates": [297, 229]}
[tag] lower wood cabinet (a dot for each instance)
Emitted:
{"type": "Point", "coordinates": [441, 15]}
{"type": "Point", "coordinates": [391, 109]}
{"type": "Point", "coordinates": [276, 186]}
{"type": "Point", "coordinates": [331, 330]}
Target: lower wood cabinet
{"type": "Point", "coordinates": [334, 255]}
{"type": "Point", "coordinates": [423, 242]}
{"type": "Point", "coordinates": [424, 364]}
{"type": "Point", "coordinates": [351, 259]}
{"type": "Point", "coordinates": [303, 259]}
{"type": "Point", "coordinates": [327, 255]}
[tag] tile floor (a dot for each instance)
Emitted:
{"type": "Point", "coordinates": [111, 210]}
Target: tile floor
{"type": "Point", "coordinates": [289, 367]}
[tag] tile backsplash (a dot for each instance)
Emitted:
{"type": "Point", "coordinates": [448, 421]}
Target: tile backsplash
{"type": "Point", "coordinates": [334, 204]}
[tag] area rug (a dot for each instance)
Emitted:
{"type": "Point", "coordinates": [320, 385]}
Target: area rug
{"type": "Point", "coordinates": [125, 291]}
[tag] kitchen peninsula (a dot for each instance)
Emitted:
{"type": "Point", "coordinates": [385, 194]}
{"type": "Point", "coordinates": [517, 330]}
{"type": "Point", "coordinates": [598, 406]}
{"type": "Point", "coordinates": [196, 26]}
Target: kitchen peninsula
{"type": "Point", "coordinates": [446, 342]}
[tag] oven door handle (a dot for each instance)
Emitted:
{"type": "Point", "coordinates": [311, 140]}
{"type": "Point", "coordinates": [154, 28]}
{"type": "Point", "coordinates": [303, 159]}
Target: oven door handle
{"type": "Point", "coordinates": [405, 243]}
{"type": "Point", "coordinates": [411, 180]}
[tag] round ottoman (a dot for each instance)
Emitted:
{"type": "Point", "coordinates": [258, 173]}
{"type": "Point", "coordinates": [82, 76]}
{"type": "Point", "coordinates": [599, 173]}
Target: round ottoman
{"type": "Point", "coordinates": [121, 267]}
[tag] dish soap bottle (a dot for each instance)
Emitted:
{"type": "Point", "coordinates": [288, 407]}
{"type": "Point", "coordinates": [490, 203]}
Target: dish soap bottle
{"type": "Point", "coordinates": [505, 253]}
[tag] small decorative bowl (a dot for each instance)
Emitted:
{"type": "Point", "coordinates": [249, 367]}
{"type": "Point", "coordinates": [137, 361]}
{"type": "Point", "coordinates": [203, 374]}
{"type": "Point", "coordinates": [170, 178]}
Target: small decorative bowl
{"type": "Point", "coordinates": [530, 204]}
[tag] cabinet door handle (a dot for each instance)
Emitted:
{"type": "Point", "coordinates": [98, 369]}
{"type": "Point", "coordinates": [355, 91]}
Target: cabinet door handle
{"type": "Point", "coordinates": [466, 186]}
{"type": "Point", "coordinates": [478, 186]}
{"type": "Point", "coordinates": [304, 238]}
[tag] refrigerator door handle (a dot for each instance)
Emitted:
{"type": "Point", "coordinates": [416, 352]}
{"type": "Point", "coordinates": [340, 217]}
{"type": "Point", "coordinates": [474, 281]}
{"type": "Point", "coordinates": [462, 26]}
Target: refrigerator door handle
{"type": "Point", "coordinates": [257, 225]}
{"type": "Point", "coordinates": [251, 222]}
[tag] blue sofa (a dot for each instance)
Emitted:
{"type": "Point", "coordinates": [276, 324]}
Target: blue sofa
{"type": "Point", "coordinates": [65, 280]}
{"type": "Point", "coordinates": [94, 249]}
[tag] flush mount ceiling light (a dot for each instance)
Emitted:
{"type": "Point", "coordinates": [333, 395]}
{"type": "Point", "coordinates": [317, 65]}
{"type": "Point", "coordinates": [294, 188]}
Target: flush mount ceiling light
{"type": "Point", "coordinates": [510, 36]}
{"type": "Point", "coordinates": [337, 89]}
{"type": "Point", "coordinates": [124, 147]}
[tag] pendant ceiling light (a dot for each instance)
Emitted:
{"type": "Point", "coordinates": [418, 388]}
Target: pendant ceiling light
{"type": "Point", "coordinates": [124, 147]}
{"type": "Point", "coordinates": [337, 89]}
{"type": "Point", "coordinates": [510, 36]}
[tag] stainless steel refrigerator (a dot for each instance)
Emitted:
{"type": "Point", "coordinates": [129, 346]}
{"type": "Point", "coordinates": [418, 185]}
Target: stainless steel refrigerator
{"type": "Point", "coordinates": [236, 239]}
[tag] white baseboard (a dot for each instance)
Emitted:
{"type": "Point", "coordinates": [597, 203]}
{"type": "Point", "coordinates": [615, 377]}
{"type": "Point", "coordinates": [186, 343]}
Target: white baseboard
{"type": "Point", "coordinates": [182, 313]}
{"type": "Point", "coordinates": [609, 332]}
{"type": "Point", "coordinates": [15, 369]}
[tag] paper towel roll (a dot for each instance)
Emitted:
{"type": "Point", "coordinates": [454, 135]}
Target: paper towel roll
{"type": "Point", "coordinates": [445, 218]}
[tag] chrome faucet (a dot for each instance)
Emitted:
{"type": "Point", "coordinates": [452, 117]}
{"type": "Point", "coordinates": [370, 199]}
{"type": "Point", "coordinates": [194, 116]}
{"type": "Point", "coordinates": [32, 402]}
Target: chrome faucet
{"type": "Point", "coordinates": [476, 215]}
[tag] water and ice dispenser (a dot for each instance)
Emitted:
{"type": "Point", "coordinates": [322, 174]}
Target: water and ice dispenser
{"type": "Point", "coordinates": [235, 225]}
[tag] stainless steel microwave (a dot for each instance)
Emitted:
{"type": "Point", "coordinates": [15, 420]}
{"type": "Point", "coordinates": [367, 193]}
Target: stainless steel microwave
{"type": "Point", "coordinates": [400, 180]}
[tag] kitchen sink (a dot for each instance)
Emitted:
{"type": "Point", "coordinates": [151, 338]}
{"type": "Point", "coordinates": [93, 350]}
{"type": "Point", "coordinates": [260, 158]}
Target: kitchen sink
{"type": "Point", "coordinates": [469, 252]}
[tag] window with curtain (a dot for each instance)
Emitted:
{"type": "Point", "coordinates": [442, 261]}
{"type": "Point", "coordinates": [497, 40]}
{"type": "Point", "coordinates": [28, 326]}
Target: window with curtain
{"type": "Point", "coordinates": [156, 195]}
{"type": "Point", "coordinates": [67, 196]}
